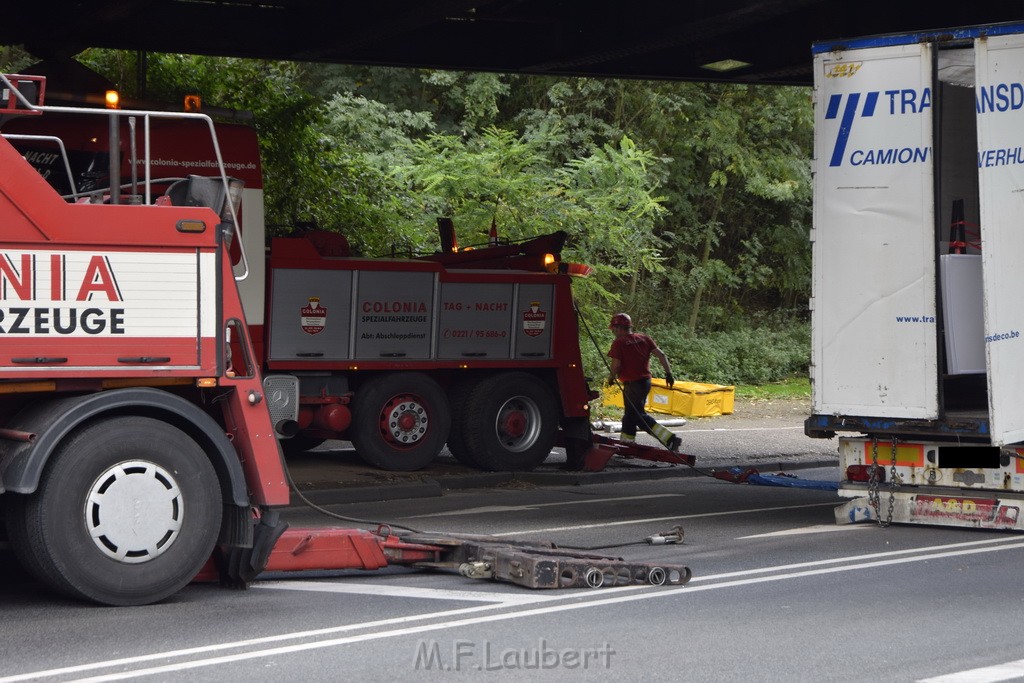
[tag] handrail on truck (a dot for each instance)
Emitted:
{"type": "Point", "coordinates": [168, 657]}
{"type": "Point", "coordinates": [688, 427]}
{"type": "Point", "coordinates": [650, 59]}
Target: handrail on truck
{"type": "Point", "coordinates": [146, 116]}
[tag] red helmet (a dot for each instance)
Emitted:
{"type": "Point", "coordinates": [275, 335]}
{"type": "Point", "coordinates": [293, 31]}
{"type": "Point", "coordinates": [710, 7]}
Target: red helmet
{"type": "Point", "coordinates": [621, 320]}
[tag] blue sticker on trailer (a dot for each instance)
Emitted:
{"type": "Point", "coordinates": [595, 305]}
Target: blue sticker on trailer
{"type": "Point", "coordinates": [945, 35]}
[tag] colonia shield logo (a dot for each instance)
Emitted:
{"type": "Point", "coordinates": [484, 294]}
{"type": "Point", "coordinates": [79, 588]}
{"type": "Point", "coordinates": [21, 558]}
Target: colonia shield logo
{"type": "Point", "coordinates": [314, 316]}
{"type": "Point", "coordinates": [534, 320]}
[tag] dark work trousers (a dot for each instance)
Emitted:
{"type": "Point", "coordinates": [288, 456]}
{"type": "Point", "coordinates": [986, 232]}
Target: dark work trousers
{"type": "Point", "coordinates": [634, 398]}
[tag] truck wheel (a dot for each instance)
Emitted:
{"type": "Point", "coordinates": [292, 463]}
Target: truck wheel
{"type": "Point", "coordinates": [512, 422]}
{"type": "Point", "coordinates": [400, 421]}
{"type": "Point", "coordinates": [127, 512]}
{"type": "Point", "coordinates": [458, 399]}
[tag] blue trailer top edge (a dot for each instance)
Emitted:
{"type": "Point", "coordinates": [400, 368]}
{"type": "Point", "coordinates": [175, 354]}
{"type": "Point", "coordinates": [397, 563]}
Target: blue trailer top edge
{"type": "Point", "coordinates": [962, 33]}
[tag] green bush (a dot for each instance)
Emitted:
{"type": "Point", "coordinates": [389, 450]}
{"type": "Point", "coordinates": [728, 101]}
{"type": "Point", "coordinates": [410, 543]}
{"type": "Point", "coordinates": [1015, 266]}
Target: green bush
{"type": "Point", "coordinates": [763, 351]}
{"type": "Point", "coordinates": [748, 355]}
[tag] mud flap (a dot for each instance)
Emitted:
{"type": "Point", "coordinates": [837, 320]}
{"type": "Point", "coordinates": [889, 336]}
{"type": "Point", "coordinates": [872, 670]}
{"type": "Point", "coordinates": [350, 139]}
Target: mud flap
{"type": "Point", "coordinates": [237, 567]}
{"type": "Point", "coordinates": [577, 439]}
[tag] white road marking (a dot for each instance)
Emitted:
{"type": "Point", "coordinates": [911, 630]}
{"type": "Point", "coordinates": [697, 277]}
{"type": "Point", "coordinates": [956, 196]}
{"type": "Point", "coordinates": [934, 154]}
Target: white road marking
{"type": "Point", "coordinates": [515, 508]}
{"type": "Point", "coordinates": [851, 558]}
{"type": "Point", "coordinates": [985, 674]}
{"type": "Point", "coordinates": [649, 520]}
{"type": "Point", "coordinates": [928, 553]}
{"type": "Point", "coordinates": [406, 592]}
{"type": "Point", "coordinates": [218, 647]}
{"type": "Point", "coordinates": [816, 529]}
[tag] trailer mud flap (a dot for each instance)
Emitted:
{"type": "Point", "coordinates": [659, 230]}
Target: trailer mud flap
{"type": "Point", "coordinates": [941, 510]}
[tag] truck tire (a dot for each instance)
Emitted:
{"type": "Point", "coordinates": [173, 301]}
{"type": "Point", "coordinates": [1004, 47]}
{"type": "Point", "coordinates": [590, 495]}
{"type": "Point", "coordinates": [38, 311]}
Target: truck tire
{"type": "Point", "coordinates": [458, 399]}
{"type": "Point", "coordinates": [511, 422]}
{"type": "Point", "coordinates": [400, 421]}
{"type": "Point", "coordinates": [72, 533]}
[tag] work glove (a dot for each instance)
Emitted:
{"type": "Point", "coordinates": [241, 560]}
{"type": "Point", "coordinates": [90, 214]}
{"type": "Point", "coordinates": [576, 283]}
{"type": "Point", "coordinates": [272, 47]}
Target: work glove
{"type": "Point", "coordinates": [669, 380]}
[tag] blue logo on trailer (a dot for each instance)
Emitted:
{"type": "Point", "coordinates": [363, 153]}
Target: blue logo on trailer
{"type": "Point", "coordinates": [900, 102]}
{"type": "Point", "coordinates": [991, 99]}
{"type": "Point", "coordinates": [846, 124]}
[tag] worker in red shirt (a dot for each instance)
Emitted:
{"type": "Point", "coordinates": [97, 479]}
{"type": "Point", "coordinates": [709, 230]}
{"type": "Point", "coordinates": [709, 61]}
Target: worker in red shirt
{"type": "Point", "coordinates": [631, 364]}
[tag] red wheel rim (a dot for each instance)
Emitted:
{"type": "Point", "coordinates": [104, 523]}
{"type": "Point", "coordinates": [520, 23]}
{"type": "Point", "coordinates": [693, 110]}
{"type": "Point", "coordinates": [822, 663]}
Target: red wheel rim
{"type": "Point", "coordinates": [404, 420]}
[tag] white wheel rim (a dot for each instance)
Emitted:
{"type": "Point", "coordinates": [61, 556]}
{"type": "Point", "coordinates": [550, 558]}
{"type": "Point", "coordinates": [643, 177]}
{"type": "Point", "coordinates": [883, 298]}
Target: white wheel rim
{"type": "Point", "coordinates": [134, 511]}
{"type": "Point", "coordinates": [405, 421]}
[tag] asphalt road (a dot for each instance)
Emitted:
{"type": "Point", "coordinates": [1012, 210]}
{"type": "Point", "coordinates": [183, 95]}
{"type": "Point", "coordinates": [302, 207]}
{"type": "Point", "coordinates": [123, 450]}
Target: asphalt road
{"type": "Point", "coordinates": [765, 435]}
{"type": "Point", "coordinates": [779, 592]}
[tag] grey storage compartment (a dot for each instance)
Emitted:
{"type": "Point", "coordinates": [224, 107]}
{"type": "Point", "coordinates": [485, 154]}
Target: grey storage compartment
{"type": "Point", "coordinates": [533, 321]}
{"type": "Point", "coordinates": [393, 313]}
{"type": "Point", "coordinates": [310, 314]}
{"type": "Point", "coordinates": [475, 321]}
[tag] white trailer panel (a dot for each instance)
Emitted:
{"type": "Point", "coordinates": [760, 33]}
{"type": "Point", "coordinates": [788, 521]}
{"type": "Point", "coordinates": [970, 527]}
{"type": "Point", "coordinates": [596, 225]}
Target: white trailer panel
{"type": "Point", "coordinates": [874, 332]}
{"type": "Point", "coordinates": [1000, 111]}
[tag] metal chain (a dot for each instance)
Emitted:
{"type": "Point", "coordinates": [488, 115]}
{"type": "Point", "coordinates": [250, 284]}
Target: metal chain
{"type": "Point", "coordinates": [873, 497]}
{"type": "Point", "coordinates": [894, 483]}
{"type": "Point", "coordinates": [873, 477]}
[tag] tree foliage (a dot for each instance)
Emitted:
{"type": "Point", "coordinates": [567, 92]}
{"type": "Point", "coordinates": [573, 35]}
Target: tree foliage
{"type": "Point", "coordinates": [690, 200]}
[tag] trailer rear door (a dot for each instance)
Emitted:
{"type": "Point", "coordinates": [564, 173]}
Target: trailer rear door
{"type": "Point", "coordinates": [999, 94]}
{"type": "Point", "coordinates": [874, 339]}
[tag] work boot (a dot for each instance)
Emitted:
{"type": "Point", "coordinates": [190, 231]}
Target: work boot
{"type": "Point", "coordinates": [674, 443]}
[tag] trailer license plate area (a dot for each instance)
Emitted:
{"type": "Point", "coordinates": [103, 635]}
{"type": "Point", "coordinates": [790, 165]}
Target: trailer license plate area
{"type": "Point", "coordinates": [974, 457]}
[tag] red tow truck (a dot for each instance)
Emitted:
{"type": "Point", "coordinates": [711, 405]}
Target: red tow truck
{"type": "Point", "coordinates": [154, 362]}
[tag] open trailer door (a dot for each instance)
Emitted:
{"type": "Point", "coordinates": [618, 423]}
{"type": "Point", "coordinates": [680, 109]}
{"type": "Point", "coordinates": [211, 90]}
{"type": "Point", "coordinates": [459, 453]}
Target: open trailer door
{"type": "Point", "coordinates": [874, 346]}
{"type": "Point", "coordinates": [999, 92]}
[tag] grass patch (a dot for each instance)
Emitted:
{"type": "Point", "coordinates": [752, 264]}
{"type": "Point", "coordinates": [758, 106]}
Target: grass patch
{"type": "Point", "coordinates": [794, 387]}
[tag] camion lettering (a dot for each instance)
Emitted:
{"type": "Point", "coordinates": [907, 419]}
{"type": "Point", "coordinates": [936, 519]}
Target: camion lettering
{"type": "Point", "coordinates": [893, 155]}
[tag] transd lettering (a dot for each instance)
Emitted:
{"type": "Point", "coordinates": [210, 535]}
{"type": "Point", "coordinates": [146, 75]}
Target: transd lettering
{"type": "Point", "coordinates": [908, 101]}
{"type": "Point", "coordinates": [1000, 97]}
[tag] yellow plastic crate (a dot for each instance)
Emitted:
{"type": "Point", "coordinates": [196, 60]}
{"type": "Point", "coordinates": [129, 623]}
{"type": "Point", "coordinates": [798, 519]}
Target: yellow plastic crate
{"type": "Point", "coordinates": [686, 399]}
